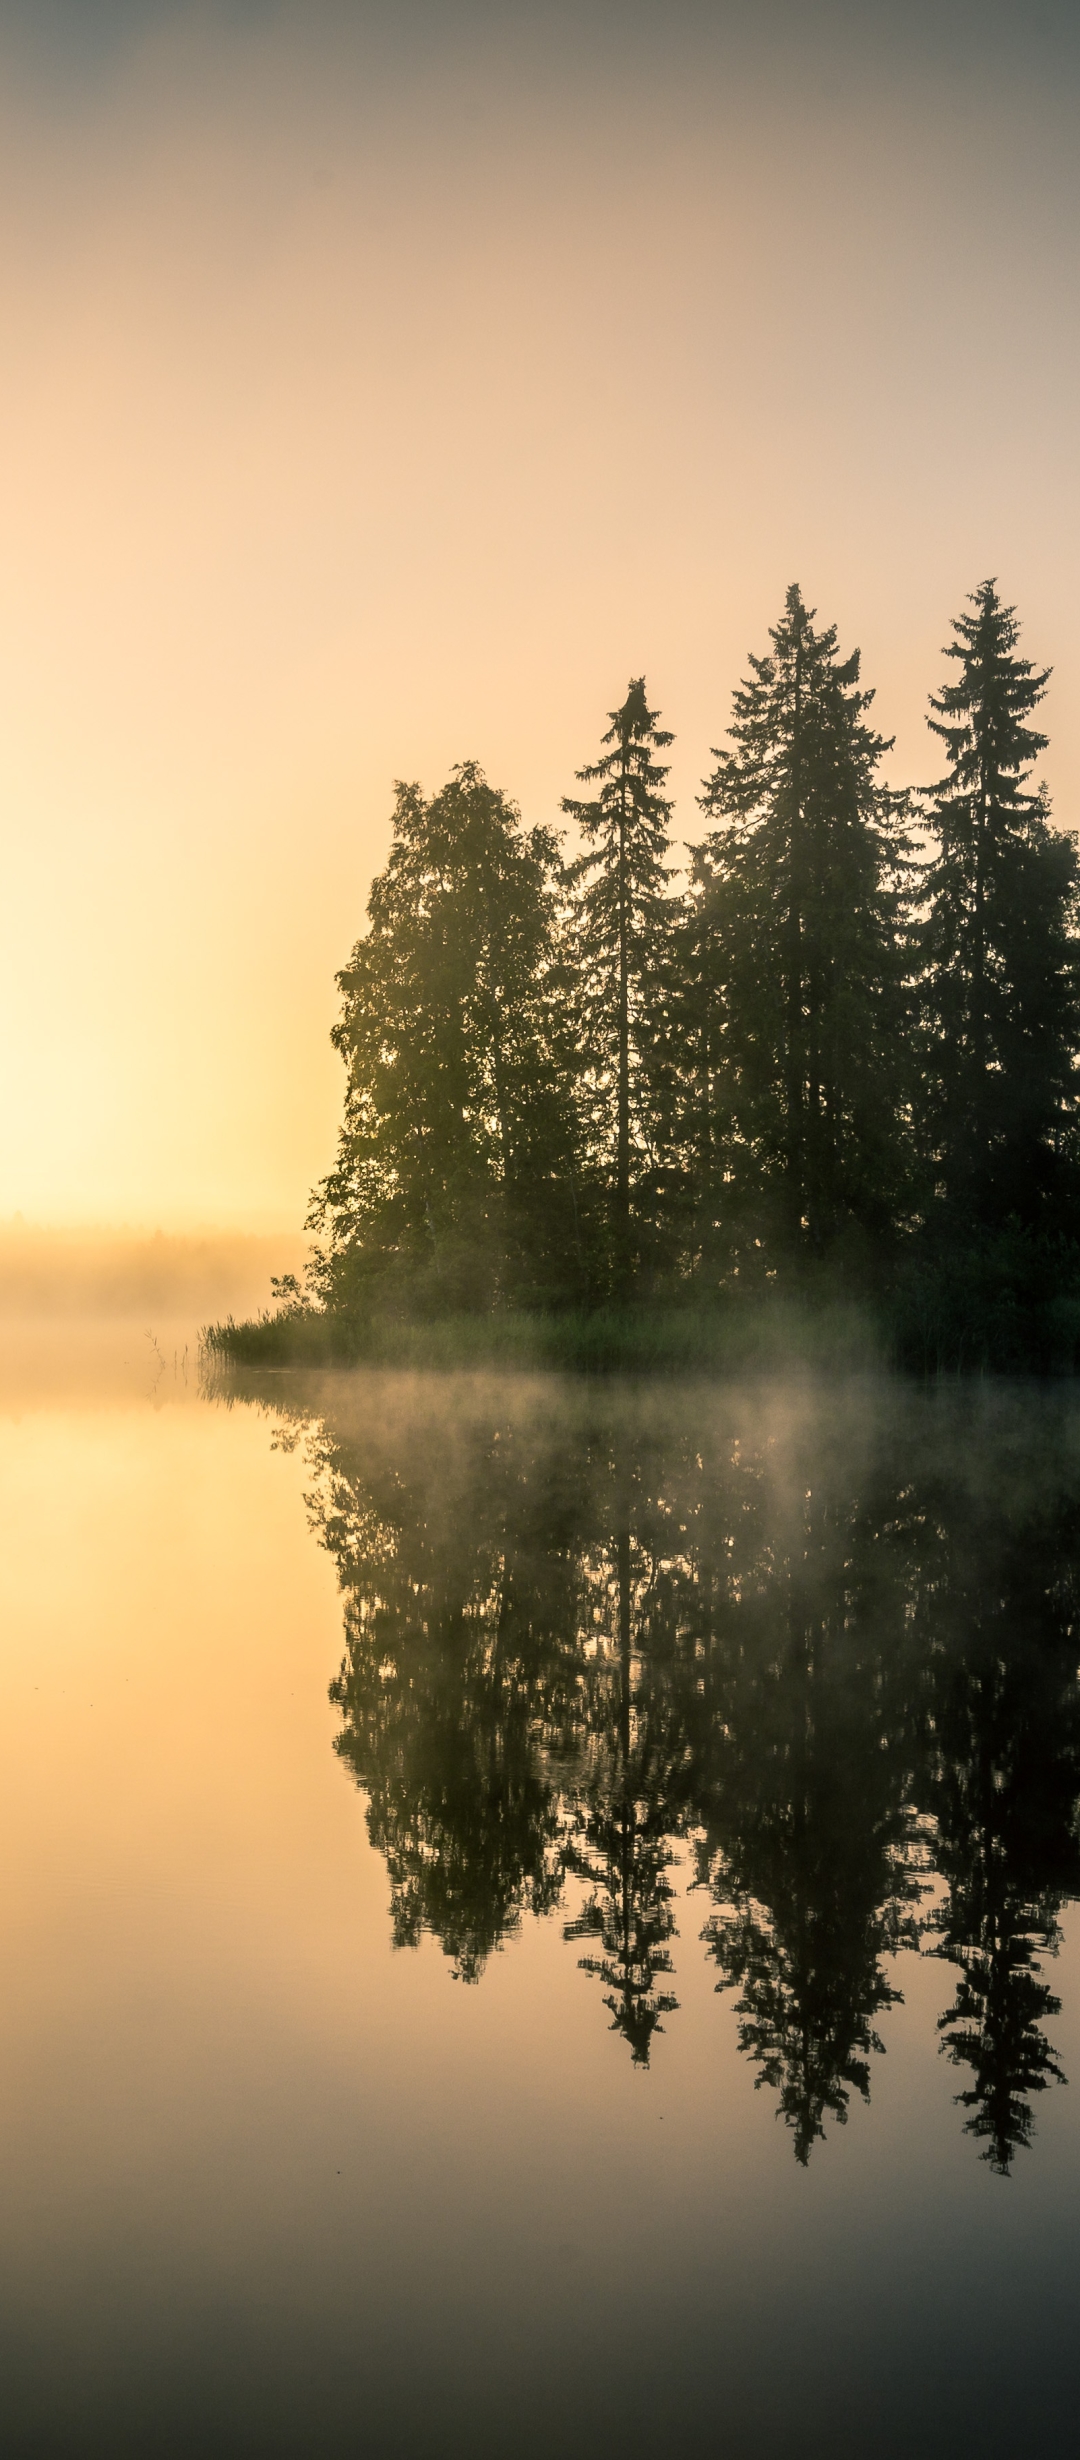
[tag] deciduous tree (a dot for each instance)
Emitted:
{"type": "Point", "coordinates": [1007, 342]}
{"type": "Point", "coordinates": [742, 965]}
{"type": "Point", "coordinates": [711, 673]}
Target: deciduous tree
{"type": "Point", "coordinates": [456, 1161]}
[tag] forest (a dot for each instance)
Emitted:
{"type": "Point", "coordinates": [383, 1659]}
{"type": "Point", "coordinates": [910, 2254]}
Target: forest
{"type": "Point", "coordinates": [828, 1057]}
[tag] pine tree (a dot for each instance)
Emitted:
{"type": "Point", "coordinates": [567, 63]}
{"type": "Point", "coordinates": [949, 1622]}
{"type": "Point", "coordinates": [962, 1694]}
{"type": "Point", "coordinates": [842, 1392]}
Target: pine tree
{"type": "Point", "coordinates": [1001, 942]}
{"type": "Point", "coordinates": [622, 923]}
{"type": "Point", "coordinates": [456, 1157]}
{"type": "Point", "coordinates": [800, 894]}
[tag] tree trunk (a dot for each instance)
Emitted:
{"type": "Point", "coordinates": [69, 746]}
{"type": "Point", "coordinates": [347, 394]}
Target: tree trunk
{"type": "Point", "coordinates": [794, 1055]}
{"type": "Point", "coordinates": [978, 977]}
{"type": "Point", "coordinates": [622, 1185]}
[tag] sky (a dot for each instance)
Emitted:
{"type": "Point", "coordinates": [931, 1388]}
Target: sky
{"type": "Point", "coordinates": [383, 387]}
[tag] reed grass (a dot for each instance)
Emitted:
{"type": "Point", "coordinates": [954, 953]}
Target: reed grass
{"type": "Point", "coordinates": [1004, 1305]}
{"type": "Point", "coordinates": [766, 1335]}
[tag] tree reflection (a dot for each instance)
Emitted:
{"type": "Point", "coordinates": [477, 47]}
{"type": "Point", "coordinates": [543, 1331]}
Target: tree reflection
{"type": "Point", "coordinates": [623, 1815]}
{"type": "Point", "coordinates": [811, 1848]}
{"type": "Point", "coordinates": [1001, 1774]}
{"type": "Point", "coordinates": [459, 1667]}
{"type": "Point", "coordinates": [818, 1654]}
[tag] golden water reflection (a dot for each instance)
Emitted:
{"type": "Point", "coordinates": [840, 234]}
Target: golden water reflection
{"type": "Point", "coordinates": [825, 1644]}
{"type": "Point", "coordinates": [683, 1740]}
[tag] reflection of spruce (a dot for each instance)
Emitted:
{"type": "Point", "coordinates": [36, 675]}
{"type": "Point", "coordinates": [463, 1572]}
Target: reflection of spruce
{"type": "Point", "coordinates": [620, 1846]}
{"type": "Point", "coordinates": [810, 1842]}
{"type": "Point", "coordinates": [579, 1631]}
{"type": "Point", "coordinates": [811, 1984]}
{"type": "Point", "coordinates": [995, 2022]}
{"type": "Point", "coordinates": [1005, 1772]}
{"type": "Point", "coordinates": [629, 1911]}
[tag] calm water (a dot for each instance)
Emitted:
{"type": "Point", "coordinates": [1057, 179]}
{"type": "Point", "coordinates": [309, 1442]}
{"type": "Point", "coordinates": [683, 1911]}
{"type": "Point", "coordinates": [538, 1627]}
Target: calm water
{"type": "Point", "coordinates": [536, 1920]}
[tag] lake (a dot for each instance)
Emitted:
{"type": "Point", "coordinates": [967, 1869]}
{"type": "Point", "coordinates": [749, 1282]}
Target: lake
{"type": "Point", "coordinates": [538, 1918]}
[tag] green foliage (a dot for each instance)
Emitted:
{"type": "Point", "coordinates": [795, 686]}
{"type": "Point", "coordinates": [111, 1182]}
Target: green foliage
{"type": "Point", "coordinates": [826, 1072]}
{"type": "Point", "coordinates": [796, 999]}
{"type": "Point", "coordinates": [455, 1172]}
{"type": "Point", "coordinates": [1002, 982]}
{"type": "Point", "coordinates": [622, 922]}
{"type": "Point", "coordinates": [819, 1330]}
{"type": "Point", "coordinates": [1001, 1300]}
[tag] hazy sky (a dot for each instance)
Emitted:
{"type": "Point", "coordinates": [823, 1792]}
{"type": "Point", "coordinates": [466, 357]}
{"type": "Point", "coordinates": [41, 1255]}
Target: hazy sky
{"type": "Point", "coordinates": [383, 387]}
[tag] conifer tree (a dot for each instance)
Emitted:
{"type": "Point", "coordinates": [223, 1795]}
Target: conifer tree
{"type": "Point", "coordinates": [800, 913]}
{"type": "Point", "coordinates": [456, 1156]}
{"type": "Point", "coordinates": [1001, 941]}
{"type": "Point", "coordinates": [622, 918]}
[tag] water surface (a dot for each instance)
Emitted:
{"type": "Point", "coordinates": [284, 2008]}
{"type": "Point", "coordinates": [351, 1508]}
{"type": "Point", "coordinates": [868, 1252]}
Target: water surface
{"type": "Point", "coordinates": [537, 1917]}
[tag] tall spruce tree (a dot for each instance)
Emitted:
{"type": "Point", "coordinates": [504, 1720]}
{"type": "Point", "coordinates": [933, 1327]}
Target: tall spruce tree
{"type": "Point", "coordinates": [795, 1059]}
{"type": "Point", "coordinates": [622, 928]}
{"type": "Point", "coordinates": [1002, 970]}
{"type": "Point", "coordinates": [454, 1177]}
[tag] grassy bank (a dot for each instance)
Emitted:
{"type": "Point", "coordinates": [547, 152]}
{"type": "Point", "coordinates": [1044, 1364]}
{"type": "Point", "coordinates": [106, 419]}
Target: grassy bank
{"type": "Point", "coordinates": [767, 1334]}
{"type": "Point", "coordinates": [1005, 1305]}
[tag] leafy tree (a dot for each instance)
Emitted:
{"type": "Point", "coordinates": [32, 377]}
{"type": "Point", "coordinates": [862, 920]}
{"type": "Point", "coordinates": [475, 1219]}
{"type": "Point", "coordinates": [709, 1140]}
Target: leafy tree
{"type": "Point", "coordinates": [796, 1054]}
{"type": "Point", "coordinates": [1001, 945]}
{"type": "Point", "coordinates": [621, 933]}
{"type": "Point", "coordinates": [456, 1161]}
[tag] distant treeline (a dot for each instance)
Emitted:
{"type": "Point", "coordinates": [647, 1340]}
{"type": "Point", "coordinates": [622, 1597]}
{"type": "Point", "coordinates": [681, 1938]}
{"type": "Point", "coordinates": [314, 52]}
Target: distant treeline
{"type": "Point", "coordinates": [80, 1270]}
{"type": "Point", "coordinates": [836, 1053]}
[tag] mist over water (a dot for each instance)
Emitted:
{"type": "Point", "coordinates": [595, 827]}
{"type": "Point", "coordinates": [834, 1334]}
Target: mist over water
{"type": "Point", "coordinates": [100, 1273]}
{"type": "Point", "coordinates": [815, 1646]}
{"type": "Point", "coordinates": [531, 1899]}
{"type": "Point", "coordinates": [88, 1310]}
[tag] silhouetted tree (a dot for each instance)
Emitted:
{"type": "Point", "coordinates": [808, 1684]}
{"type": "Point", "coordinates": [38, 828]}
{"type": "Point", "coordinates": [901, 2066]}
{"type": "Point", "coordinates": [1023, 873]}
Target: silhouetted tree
{"type": "Point", "coordinates": [622, 922]}
{"type": "Point", "coordinates": [1001, 941]}
{"type": "Point", "coordinates": [455, 1171]}
{"type": "Point", "coordinates": [796, 1043]}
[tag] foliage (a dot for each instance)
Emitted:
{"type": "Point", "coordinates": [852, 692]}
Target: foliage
{"type": "Point", "coordinates": [454, 1177]}
{"type": "Point", "coordinates": [622, 923]}
{"type": "Point", "coordinates": [1002, 985]}
{"type": "Point", "coordinates": [797, 990]}
{"type": "Point", "coordinates": [608, 1118]}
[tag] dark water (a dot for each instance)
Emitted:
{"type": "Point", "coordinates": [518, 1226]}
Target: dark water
{"type": "Point", "coordinates": [631, 2012]}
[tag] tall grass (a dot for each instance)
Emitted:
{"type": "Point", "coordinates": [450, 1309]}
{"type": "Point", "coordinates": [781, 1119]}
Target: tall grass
{"type": "Point", "coordinates": [766, 1334]}
{"type": "Point", "coordinates": [1008, 1303]}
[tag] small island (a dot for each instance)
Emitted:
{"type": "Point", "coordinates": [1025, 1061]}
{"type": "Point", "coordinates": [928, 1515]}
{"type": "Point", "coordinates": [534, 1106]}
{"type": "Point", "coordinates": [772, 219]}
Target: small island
{"type": "Point", "coordinates": [814, 1096]}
